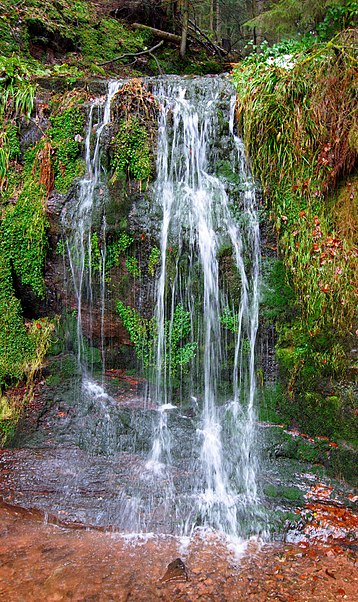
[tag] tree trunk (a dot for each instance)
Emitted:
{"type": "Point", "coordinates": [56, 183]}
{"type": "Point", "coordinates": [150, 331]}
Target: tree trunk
{"type": "Point", "coordinates": [258, 33]}
{"type": "Point", "coordinates": [184, 31]}
{"type": "Point", "coordinates": [218, 21]}
{"type": "Point", "coordinates": [211, 25]}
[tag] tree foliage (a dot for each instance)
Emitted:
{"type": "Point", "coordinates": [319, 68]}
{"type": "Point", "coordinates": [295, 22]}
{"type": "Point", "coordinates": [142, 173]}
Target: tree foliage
{"type": "Point", "coordinates": [289, 18]}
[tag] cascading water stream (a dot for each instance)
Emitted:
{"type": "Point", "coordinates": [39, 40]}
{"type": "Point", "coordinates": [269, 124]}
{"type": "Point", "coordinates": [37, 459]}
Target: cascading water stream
{"type": "Point", "coordinates": [78, 226]}
{"type": "Point", "coordinates": [202, 467]}
{"type": "Point", "coordinates": [78, 243]}
{"type": "Point", "coordinates": [199, 219]}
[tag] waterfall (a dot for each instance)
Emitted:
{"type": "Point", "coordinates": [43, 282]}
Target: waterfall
{"type": "Point", "coordinates": [79, 224]}
{"type": "Point", "coordinates": [202, 218]}
{"type": "Point", "coordinates": [188, 458]}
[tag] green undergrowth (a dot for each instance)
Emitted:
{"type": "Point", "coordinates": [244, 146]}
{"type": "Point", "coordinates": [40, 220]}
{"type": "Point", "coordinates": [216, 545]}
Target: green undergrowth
{"type": "Point", "coordinates": [178, 350]}
{"type": "Point", "coordinates": [64, 134]}
{"type": "Point", "coordinates": [70, 39]}
{"type": "Point", "coordinates": [135, 117]}
{"type": "Point", "coordinates": [23, 242]}
{"type": "Point", "coordinates": [296, 112]}
{"type": "Point", "coordinates": [132, 155]}
{"type": "Point", "coordinates": [65, 30]}
{"type": "Point", "coordinates": [23, 236]}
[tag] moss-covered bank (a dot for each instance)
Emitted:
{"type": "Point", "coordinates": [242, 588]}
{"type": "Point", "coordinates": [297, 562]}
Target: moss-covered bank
{"type": "Point", "coordinates": [296, 110]}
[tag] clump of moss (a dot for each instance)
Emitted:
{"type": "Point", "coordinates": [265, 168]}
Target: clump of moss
{"type": "Point", "coordinates": [135, 112]}
{"type": "Point", "coordinates": [109, 39]}
{"type": "Point", "coordinates": [132, 156]}
{"type": "Point", "coordinates": [23, 237]}
{"type": "Point", "coordinates": [15, 345]}
{"type": "Point", "coordinates": [65, 133]}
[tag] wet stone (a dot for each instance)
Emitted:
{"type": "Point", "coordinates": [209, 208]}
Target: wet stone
{"type": "Point", "coordinates": [176, 571]}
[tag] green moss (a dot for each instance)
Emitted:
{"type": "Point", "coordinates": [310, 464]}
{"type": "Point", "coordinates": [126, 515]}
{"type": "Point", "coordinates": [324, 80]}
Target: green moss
{"type": "Point", "coordinates": [7, 429]}
{"type": "Point", "coordinates": [67, 164]}
{"type": "Point", "coordinates": [23, 237]}
{"type": "Point", "coordinates": [143, 334]}
{"type": "Point", "coordinates": [12, 132]}
{"type": "Point", "coordinates": [109, 39]}
{"type": "Point", "coordinates": [270, 402]}
{"type": "Point", "coordinates": [292, 494]}
{"type": "Point", "coordinates": [224, 170]}
{"type": "Point", "coordinates": [343, 463]}
{"type": "Point", "coordinates": [277, 300]}
{"type": "Point", "coordinates": [8, 44]}
{"type": "Point", "coordinates": [15, 345]}
{"type": "Point", "coordinates": [132, 156]}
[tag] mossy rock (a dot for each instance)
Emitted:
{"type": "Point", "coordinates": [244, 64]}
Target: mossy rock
{"type": "Point", "coordinates": [338, 460]}
{"type": "Point", "coordinates": [291, 494]}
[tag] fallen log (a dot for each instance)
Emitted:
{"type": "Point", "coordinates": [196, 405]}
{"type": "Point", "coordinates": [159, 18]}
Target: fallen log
{"type": "Point", "coordinates": [159, 33]}
{"type": "Point", "coordinates": [118, 58]}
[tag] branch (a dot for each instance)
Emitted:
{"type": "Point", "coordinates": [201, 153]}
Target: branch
{"type": "Point", "coordinates": [118, 58]}
{"type": "Point", "coordinates": [217, 49]}
{"type": "Point", "coordinates": [159, 33]}
{"type": "Point", "coordinates": [157, 62]}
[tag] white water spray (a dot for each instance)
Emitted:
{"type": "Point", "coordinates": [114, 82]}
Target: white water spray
{"type": "Point", "coordinates": [200, 218]}
{"type": "Point", "coordinates": [79, 247]}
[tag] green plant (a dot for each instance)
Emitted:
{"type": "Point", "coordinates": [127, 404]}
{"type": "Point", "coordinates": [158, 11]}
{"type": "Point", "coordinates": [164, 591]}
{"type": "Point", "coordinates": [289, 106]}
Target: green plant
{"type": "Point", "coordinates": [13, 141]}
{"type": "Point", "coordinates": [60, 248]}
{"type": "Point", "coordinates": [176, 331]}
{"type": "Point", "coordinates": [15, 345]}
{"type": "Point", "coordinates": [144, 332]}
{"type": "Point", "coordinates": [154, 258]}
{"type": "Point", "coordinates": [117, 248]}
{"type": "Point", "coordinates": [132, 266]}
{"type": "Point", "coordinates": [16, 100]}
{"type": "Point", "coordinates": [93, 257]}
{"type": "Point", "coordinates": [277, 298]}
{"type": "Point", "coordinates": [229, 319]}
{"type": "Point", "coordinates": [23, 237]}
{"type": "Point", "coordinates": [300, 156]}
{"type": "Point", "coordinates": [17, 92]}
{"type": "Point", "coordinates": [131, 152]}
{"type": "Point", "coordinates": [338, 16]}
{"type": "Point", "coordinates": [65, 133]}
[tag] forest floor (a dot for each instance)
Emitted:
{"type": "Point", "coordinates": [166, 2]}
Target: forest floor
{"type": "Point", "coordinates": [40, 561]}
